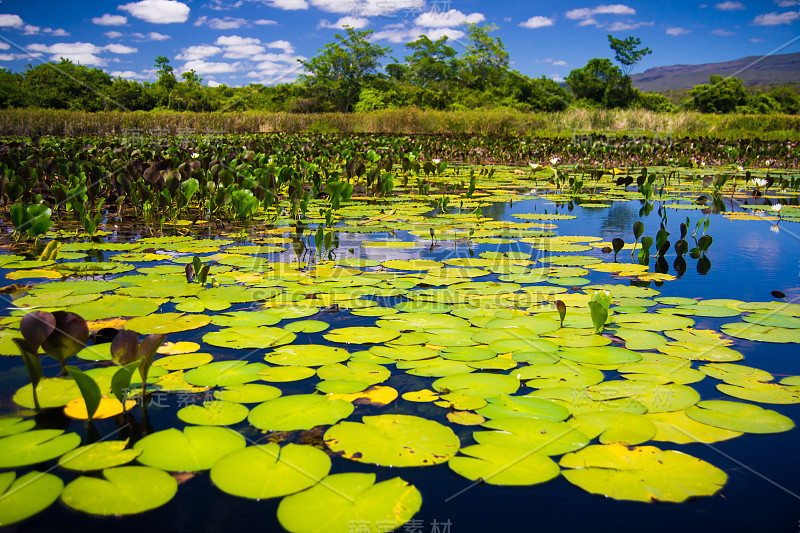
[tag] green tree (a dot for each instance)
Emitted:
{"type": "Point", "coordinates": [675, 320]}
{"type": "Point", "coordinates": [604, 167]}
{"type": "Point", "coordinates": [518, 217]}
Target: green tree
{"type": "Point", "coordinates": [787, 99]}
{"type": "Point", "coordinates": [12, 90]}
{"type": "Point", "coordinates": [627, 52]}
{"type": "Point", "coordinates": [486, 58]}
{"type": "Point", "coordinates": [720, 95]}
{"type": "Point", "coordinates": [66, 85]}
{"type": "Point", "coordinates": [431, 63]}
{"type": "Point", "coordinates": [131, 95]}
{"type": "Point", "coordinates": [166, 74]}
{"type": "Point", "coordinates": [339, 72]}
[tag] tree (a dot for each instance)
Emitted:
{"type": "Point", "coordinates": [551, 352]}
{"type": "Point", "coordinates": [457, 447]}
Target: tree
{"type": "Point", "coordinates": [787, 99]}
{"type": "Point", "coordinates": [166, 75]}
{"type": "Point", "coordinates": [626, 52]}
{"type": "Point", "coordinates": [342, 68]}
{"type": "Point", "coordinates": [486, 58]}
{"type": "Point", "coordinates": [431, 63]}
{"type": "Point", "coordinates": [720, 95]}
{"type": "Point", "coordinates": [601, 82]}
{"type": "Point", "coordinates": [12, 92]}
{"type": "Point", "coordinates": [66, 85]}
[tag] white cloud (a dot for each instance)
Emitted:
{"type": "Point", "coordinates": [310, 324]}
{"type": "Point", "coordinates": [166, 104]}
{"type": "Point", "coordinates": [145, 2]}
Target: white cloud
{"type": "Point", "coordinates": [194, 53]}
{"type": "Point", "coordinates": [110, 20]}
{"type": "Point", "coordinates": [78, 52]}
{"type": "Point", "coordinates": [236, 47]}
{"type": "Point", "coordinates": [624, 26]}
{"type": "Point", "coordinates": [729, 6]}
{"type": "Point", "coordinates": [398, 33]}
{"type": "Point", "coordinates": [226, 23]}
{"type": "Point", "coordinates": [4, 46]}
{"type": "Point", "coordinates": [288, 5]}
{"type": "Point", "coordinates": [603, 9]}
{"type": "Point", "coordinates": [158, 11]}
{"type": "Point", "coordinates": [6, 57]}
{"type": "Point", "coordinates": [447, 19]}
{"type": "Point", "coordinates": [787, 3]}
{"type": "Point", "coordinates": [120, 49]}
{"type": "Point", "coordinates": [557, 78]}
{"type": "Point", "coordinates": [147, 74]}
{"type": "Point", "coordinates": [264, 22]}
{"type": "Point", "coordinates": [113, 34]}
{"type": "Point", "coordinates": [155, 36]}
{"type": "Point", "coordinates": [205, 67]}
{"type": "Point", "coordinates": [219, 5]}
{"type": "Point", "coordinates": [10, 21]}
{"type": "Point", "coordinates": [537, 22]}
{"type": "Point", "coordinates": [722, 33]}
{"type": "Point", "coordinates": [286, 46]}
{"type": "Point", "coordinates": [755, 40]}
{"type": "Point", "coordinates": [365, 8]}
{"type": "Point", "coordinates": [776, 19]}
{"type": "Point", "coordinates": [354, 22]}
{"type": "Point", "coordinates": [212, 83]}
{"type": "Point", "coordinates": [559, 63]}
{"type": "Point", "coordinates": [437, 33]}
{"type": "Point", "coordinates": [675, 32]}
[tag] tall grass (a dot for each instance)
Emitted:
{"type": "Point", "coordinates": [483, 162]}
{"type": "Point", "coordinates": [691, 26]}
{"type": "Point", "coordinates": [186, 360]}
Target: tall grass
{"type": "Point", "coordinates": [405, 121]}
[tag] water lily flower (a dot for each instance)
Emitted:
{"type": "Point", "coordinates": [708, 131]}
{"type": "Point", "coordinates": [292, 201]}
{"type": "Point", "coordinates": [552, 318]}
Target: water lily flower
{"type": "Point", "coordinates": [775, 229]}
{"type": "Point", "coordinates": [436, 161]}
{"type": "Point", "coordinates": [777, 208]}
{"type": "Point", "coordinates": [554, 161]}
{"type": "Point", "coordinates": [759, 182]}
{"type": "Point", "coordinates": [533, 166]}
{"type": "Point", "coordinates": [195, 155]}
{"type": "Point", "coordinates": [741, 168]}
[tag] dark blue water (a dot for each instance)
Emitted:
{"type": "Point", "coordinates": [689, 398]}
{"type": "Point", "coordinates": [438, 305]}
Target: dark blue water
{"type": "Point", "coordinates": [748, 261]}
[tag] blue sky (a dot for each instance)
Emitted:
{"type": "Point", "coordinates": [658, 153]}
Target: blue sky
{"type": "Point", "coordinates": [238, 42]}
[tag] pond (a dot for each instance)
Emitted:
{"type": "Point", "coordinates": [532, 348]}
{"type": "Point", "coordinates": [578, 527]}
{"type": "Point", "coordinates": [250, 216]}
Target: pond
{"type": "Point", "coordinates": [415, 340]}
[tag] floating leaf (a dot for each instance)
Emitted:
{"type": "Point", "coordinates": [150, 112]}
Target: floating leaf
{"type": "Point", "coordinates": [14, 425]}
{"type": "Point", "coordinates": [737, 416]}
{"type": "Point", "coordinates": [29, 495]}
{"type": "Point", "coordinates": [307, 355]}
{"type": "Point", "coordinates": [341, 500]}
{"type": "Point", "coordinates": [298, 411]}
{"type": "Point", "coordinates": [611, 427]}
{"type": "Point", "coordinates": [393, 440]}
{"type": "Point", "coordinates": [99, 455]}
{"type": "Point", "coordinates": [35, 446]}
{"type": "Point", "coordinates": [214, 413]}
{"type": "Point", "coordinates": [248, 393]}
{"type": "Point", "coordinates": [190, 450]}
{"type": "Point", "coordinates": [249, 338]}
{"type": "Point", "coordinates": [361, 335]}
{"type": "Point", "coordinates": [496, 464]}
{"type": "Point", "coordinates": [270, 471]}
{"type": "Point", "coordinates": [125, 490]}
{"type": "Point", "coordinates": [642, 473]}
{"type": "Point", "coordinates": [676, 427]}
{"type": "Point", "coordinates": [225, 373]}
{"type": "Point", "coordinates": [542, 436]}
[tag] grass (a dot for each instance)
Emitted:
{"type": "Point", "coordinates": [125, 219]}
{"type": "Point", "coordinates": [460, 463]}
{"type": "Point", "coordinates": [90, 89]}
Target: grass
{"type": "Point", "coordinates": [406, 121]}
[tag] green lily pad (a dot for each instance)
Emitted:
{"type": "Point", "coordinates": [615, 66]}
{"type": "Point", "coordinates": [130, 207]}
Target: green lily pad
{"type": "Point", "coordinates": [369, 373]}
{"type": "Point", "coordinates": [299, 411]}
{"type": "Point", "coordinates": [506, 406]}
{"type": "Point", "coordinates": [306, 326]}
{"type": "Point", "coordinates": [248, 393]}
{"type": "Point", "coordinates": [183, 361]}
{"type": "Point", "coordinates": [52, 392]}
{"type": "Point", "coordinates": [542, 436]}
{"type": "Point", "coordinates": [600, 355]}
{"type": "Point", "coordinates": [14, 425]}
{"type": "Point", "coordinates": [214, 413]}
{"type": "Point", "coordinates": [270, 471]}
{"type": "Point", "coordinates": [224, 373]}
{"type": "Point", "coordinates": [611, 427]}
{"type": "Point", "coordinates": [361, 335]}
{"type": "Point", "coordinates": [29, 495]}
{"type": "Point", "coordinates": [166, 323]}
{"type": "Point", "coordinates": [307, 355]}
{"type": "Point", "coordinates": [656, 397]}
{"type": "Point", "coordinates": [190, 450]}
{"type": "Point", "coordinates": [125, 490]}
{"type": "Point", "coordinates": [283, 374]}
{"type": "Point", "coordinates": [676, 427]}
{"type": "Point", "coordinates": [249, 338]}
{"type": "Point", "coordinates": [341, 500]}
{"type": "Point", "coordinates": [393, 440]}
{"type": "Point", "coordinates": [756, 391]}
{"type": "Point", "coordinates": [542, 376]}
{"type": "Point", "coordinates": [35, 446]}
{"type": "Point", "coordinates": [478, 384]}
{"type": "Point", "coordinates": [636, 339]}
{"type": "Point", "coordinates": [755, 332]}
{"type": "Point", "coordinates": [732, 372]}
{"type": "Point", "coordinates": [98, 456]}
{"type": "Point", "coordinates": [496, 464]}
{"type": "Point", "coordinates": [643, 473]}
{"type": "Point", "coordinates": [737, 416]}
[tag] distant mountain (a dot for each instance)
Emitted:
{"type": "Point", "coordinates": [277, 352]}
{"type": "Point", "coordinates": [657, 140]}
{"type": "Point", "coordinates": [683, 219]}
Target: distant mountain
{"type": "Point", "coordinates": [753, 70]}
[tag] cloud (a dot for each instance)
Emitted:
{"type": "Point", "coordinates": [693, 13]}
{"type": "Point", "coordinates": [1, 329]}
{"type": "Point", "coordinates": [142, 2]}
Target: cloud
{"type": "Point", "coordinates": [10, 21]}
{"type": "Point", "coordinates": [776, 19]}
{"type": "Point", "coordinates": [354, 22]}
{"type": "Point", "coordinates": [110, 20]}
{"type": "Point", "coordinates": [219, 5]}
{"type": "Point", "coordinates": [557, 78]}
{"type": "Point", "coordinates": [755, 40]}
{"type": "Point", "coordinates": [205, 67]}
{"type": "Point", "coordinates": [4, 46]}
{"type": "Point", "coordinates": [226, 23]}
{"type": "Point", "coordinates": [398, 33]}
{"type": "Point", "coordinates": [675, 32]}
{"type": "Point", "coordinates": [147, 74]}
{"type": "Point", "coordinates": [447, 19]}
{"type": "Point", "coordinates": [537, 22]}
{"type": "Point", "coordinates": [722, 33]}
{"type": "Point", "coordinates": [286, 46]}
{"type": "Point", "coordinates": [624, 26]}
{"type": "Point", "coordinates": [120, 49]}
{"type": "Point", "coordinates": [729, 6]}
{"type": "Point", "coordinates": [155, 36]}
{"type": "Point", "coordinates": [366, 8]}
{"type": "Point", "coordinates": [113, 34]}
{"type": "Point", "coordinates": [158, 11]}
{"type": "Point", "coordinates": [194, 53]}
{"type": "Point", "coordinates": [603, 9]}
{"type": "Point", "coordinates": [787, 3]}
{"type": "Point", "coordinates": [288, 5]}
{"type": "Point", "coordinates": [29, 29]}
{"type": "Point", "coordinates": [559, 63]}
{"type": "Point", "coordinates": [83, 53]}
{"type": "Point", "coordinates": [264, 22]}
{"type": "Point", "coordinates": [236, 47]}
{"type": "Point", "coordinates": [212, 83]}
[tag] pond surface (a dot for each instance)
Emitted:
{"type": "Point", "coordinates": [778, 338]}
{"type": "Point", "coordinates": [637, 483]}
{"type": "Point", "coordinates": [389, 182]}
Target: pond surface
{"type": "Point", "coordinates": [748, 260]}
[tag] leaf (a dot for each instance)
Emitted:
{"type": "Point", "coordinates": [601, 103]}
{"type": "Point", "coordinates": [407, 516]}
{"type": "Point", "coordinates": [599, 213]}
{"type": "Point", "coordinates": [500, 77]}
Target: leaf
{"type": "Point", "coordinates": [341, 500]}
{"type": "Point", "coordinates": [737, 416]}
{"type": "Point", "coordinates": [167, 323]}
{"type": "Point", "coordinates": [224, 373]}
{"type": "Point", "coordinates": [124, 347]}
{"type": "Point", "coordinates": [676, 427]}
{"type": "Point", "coordinates": [393, 440]}
{"type": "Point", "coordinates": [542, 436]}
{"type": "Point", "coordinates": [213, 413]}
{"type": "Point", "coordinates": [89, 390]}
{"type": "Point", "coordinates": [36, 326]}
{"type": "Point", "coordinates": [307, 355]}
{"type": "Point", "coordinates": [99, 455]}
{"type": "Point", "coordinates": [642, 473]}
{"type": "Point", "coordinates": [190, 450]}
{"type": "Point", "coordinates": [123, 490]}
{"type": "Point", "coordinates": [35, 446]}
{"type": "Point", "coordinates": [29, 495]}
{"type": "Point", "coordinates": [69, 336]}
{"type": "Point", "coordinates": [270, 471]}
{"type": "Point", "coordinates": [504, 465]}
{"type": "Point", "coordinates": [121, 380]}
{"type": "Point", "coordinates": [298, 411]}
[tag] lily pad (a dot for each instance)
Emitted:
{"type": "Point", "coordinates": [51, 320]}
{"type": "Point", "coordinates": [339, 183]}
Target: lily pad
{"type": "Point", "coordinates": [249, 338]}
{"type": "Point", "coordinates": [14, 425]}
{"type": "Point", "coordinates": [298, 411]}
{"type": "Point", "coordinates": [224, 373]}
{"type": "Point", "coordinates": [496, 464]}
{"type": "Point", "coordinates": [26, 496]}
{"type": "Point", "coordinates": [393, 440]}
{"type": "Point", "coordinates": [98, 456]}
{"type": "Point", "coordinates": [542, 436]}
{"type": "Point", "coordinates": [643, 473]}
{"type": "Point", "coordinates": [190, 450]}
{"type": "Point", "coordinates": [248, 393]}
{"type": "Point", "coordinates": [361, 335]}
{"type": "Point", "coordinates": [341, 500]}
{"type": "Point", "coordinates": [125, 490]}
{"type": "Point", "coordinates": [676, 427]}
{"type": "Point", "coordinates": [307, 355]}
{"type": "Point", "coordinates": [737, 416]}
{"type": "Point", "coordinates": [611, 427]}
{"type": "Point", "coordinates": [214, 413]}
{"type": "Point", "coordinates": [35, 446]}
{"type": "Point", "coordinates": [270, 471]}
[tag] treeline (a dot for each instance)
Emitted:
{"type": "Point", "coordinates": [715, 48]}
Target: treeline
{"type": "Point", "coordinates": [351, 75]}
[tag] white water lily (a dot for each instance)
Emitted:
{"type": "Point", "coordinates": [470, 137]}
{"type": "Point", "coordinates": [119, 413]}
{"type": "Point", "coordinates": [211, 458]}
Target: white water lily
{"type": "Point", "coordinates": [741, 169]}
{"type": "Point", "coordinates": [533, 166]}
{"type": "Point", "coordinates": [777, 208]}
{"type": "Point", "coordinates": [775, 229]}
{"type": "Point", "coordinates": [554, 161]}
{"type": "Point", "coordinates": [436, 161]}
{"type": "Point", "coordinates": [759, 182]}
